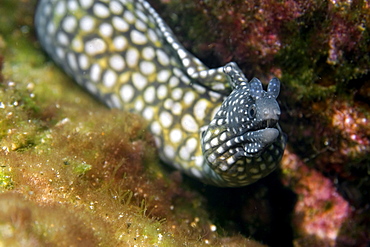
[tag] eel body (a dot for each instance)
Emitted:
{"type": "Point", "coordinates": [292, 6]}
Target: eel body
{"type": "Point", "coordinates": [211, 124]}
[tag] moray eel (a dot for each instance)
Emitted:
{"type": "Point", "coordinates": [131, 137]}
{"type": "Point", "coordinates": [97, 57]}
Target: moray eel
{"type": "Point", "coordinates": [211, 124]}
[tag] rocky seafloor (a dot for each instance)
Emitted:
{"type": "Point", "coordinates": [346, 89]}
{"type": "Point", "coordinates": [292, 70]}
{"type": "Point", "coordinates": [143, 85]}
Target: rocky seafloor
{"type": "Point", "coordinates": [74, 173]}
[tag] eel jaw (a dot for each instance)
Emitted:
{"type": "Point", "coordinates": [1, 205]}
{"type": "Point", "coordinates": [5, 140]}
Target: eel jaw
{"type": "Point", "coordinates": [256, 141]}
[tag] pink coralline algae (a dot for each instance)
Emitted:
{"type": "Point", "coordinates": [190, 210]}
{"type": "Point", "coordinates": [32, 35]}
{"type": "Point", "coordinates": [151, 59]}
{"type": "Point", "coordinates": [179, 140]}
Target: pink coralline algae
{"type": "Point", "coordinates": [320, 210]}
{"type": "Point", "coordinates": [353, 126]}
{"type": "Point", "coordinates": [345, 32]}
{"type": "Point", "coordinates": [344, 140]}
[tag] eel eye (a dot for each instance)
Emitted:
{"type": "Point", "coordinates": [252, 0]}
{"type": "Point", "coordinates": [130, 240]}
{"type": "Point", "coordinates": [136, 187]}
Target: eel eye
{"type": "Point", "coordinates": [252, 111]}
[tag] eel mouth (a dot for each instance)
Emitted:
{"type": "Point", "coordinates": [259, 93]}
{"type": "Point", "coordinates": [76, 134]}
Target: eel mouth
{"type": "Point", "coordinates": [265, 124]}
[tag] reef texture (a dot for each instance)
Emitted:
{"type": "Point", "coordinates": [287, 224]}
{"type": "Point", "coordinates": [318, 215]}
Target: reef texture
{"type": "Point", "coordinates": [321, 52]}
{"type": "Point", "coordinates": [73, 173]}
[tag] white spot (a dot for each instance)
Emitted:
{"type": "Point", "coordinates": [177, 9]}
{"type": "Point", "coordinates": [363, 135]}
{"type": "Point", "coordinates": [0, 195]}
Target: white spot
{"type": "Point", "coordinates": [189, 123]}
{"type": "Point", "coordinates": [129, 17]}
{"type": "Point", "coordinates": [86, 3]}
{"type": "Point", "coordinates": [156, 128]}
{"type": "Point", "coordinates": [169, 152]}
{"type": "Point", "coordinates": [127, 92]}
{"type": "Point", "coordinates": [138, 37]}
{"type": "Point", "coordinates": [214, 142]}
{"type": "Point", "coordinates": [109, 78]}
{"type": "Point", "coordinates": [168, 103]}
{"type": "Point", "coordinates": [182, 53]}
{"type": "Point", "coordinates": [203, 73]}
{"type": "Point", "coordinates": [91, 88]}
{"type": "Point", "coordinates": [148, 53]}
{"type": "Point", "coordinates": [176, 93]}
{"type": "Point", "coordinates": [95, 46]}
{"type": "Point", "coordinates": [139, 81]}
{"type": "Point", "coordinates": [77, 45]}
{"type": "Point", "coordinates": [72, 62]}
{"type": "Point", "coordinates": [163, 76]}
{"type": "Point", "coordinates": [139, 105]}
{"type": "Point", "coordinates": [147, 68]}
{"type": "Point", "coordinates": [186, 80]}
{"type": "Point", "coordinates": [106, 29]}
{"type": "Point", "coordinates": [69, 24]}
{"type": "Point", "coordinates": [142, 16]}
{"type": "Point", "coordinates": [189, 97]}
{"type": "Point", "coordinates": [60, 52]}
{"type": "Point", "coordinates": [177, 72]}
{"type": "Point", "coordinates": [223, 168]}
{"type": "Point", "coordinates": [190, 71]}
{"type": "Point", "coordinates": [214, 96]}
{"type": "Point", "coordinates": [186, 62]}
{"type": "Point", "coordinates": [95, 72]}
{"type": "Point", "coordinates": [163, 58]}
{"type": "Point", "coordinates": [140, 25]}
{"type": "Point", "coordinates": [63, 39]}
{"type": "Point", "coordinates": [50, 28]}
{"type": "Point", "coordinates": [230, 160]}
{"type": "Point", "coordinates": [175, 46]}
{"type": "Point", "coordinates": [223, 137]}
{"type": "Point", "coordinates": [199, 88]}
{"type": "Point", "coordinates": [115, 7]}
{"type": "Point", "coordinates": [166, 119]}
{"type": "Point", "coordinates": [101, 10]}
{"type": "Point", "coordinates": [196, 173]}
{"type": "Point", "coordinates": [120, 43]}
{"type": "Point", "coordinates": [158, 142]}
{"type": "Point", "coordinates": [220, 150]}
{"type": "Point", "coordinates": [175, 135]}
{"type": "Point", "coordinates": [132, 57]}
{"type": "Point", "coordinates": [116, 62]}
{"type": "Point", "coordinates": [176, 108]}
{"type": "Point", "coordinates": [120, 24]}
{"type": "Point", "coordinates": [191, 144]}
{"type": "Point", "coordinates": [47, 10]}
{"type": "Point", "coordinates": [114, 101]}
{"type": "Point", "coordinates": [60, 8]}
{"type": "Point", "coordinates": [149, 95]}
{"type": "Point", "coordinates": [199, 161]}
{"type": "Point", "coordinates": [184, 153]}
{"type": "Point", "coordinates": [152, 36]}
{"type": "Point", "coordinates": [87, 23]}
{"type": "Point", "coordinates": [72, 6]}
{"type": "Point", "coordinates": [200, 109]}
{"type": "Point", "coordinates": [148, 113]}
{"type": "Point", "coordinates": [207, 136]}
{"type": "Point", "coordinates": [83, 61]}
{"type": "Point", "coordinates": [174, 81]}
{"type": "Point", "coordinates": [162, 92]}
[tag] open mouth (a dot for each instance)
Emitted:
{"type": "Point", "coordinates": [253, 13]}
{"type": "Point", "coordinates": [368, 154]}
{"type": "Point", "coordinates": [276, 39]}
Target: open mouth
{"type": "Point", "coordinates": [268, 123]}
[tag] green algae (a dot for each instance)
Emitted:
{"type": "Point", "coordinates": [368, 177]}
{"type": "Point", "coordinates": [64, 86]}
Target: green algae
{"type": "Point", "coordinates": [6, 182]}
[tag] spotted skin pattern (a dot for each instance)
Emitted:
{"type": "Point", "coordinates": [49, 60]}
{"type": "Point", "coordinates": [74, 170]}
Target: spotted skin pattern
{"type": "Point", "coordinates": [212, 124]}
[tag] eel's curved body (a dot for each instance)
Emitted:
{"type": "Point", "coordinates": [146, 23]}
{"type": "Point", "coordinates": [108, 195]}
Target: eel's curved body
{"type": "Point", "coordinates": [211, 124]}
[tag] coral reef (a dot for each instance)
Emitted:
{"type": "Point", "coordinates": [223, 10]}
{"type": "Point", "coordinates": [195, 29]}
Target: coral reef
{"type": "Point", "coordinates": [320, 213]}
{"type": "Point", "coordinates": [320, 50]}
